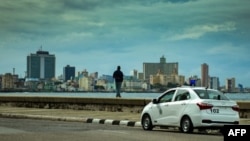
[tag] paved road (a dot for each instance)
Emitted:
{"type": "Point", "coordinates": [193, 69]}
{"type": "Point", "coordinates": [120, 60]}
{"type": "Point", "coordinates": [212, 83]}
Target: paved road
{"type": "Point", "coordinates": [62, 114]}
{"type": "Point", "coordinates": [47, 130]}
{"type": "Point", "coordinates": [29, 124]}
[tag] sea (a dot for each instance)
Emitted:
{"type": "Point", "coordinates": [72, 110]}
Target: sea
{"type": "Point", "coordinates": [127, 95]}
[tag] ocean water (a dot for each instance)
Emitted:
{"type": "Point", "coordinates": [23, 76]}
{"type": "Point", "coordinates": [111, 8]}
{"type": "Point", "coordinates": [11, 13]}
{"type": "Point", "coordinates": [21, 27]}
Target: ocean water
{"type": "Point", "coordinates": [233, 96]}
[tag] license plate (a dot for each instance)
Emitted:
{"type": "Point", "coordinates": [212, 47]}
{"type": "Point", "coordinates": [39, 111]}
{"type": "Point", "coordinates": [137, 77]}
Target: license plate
{"type": "Point", "coordinates": [216, 111]}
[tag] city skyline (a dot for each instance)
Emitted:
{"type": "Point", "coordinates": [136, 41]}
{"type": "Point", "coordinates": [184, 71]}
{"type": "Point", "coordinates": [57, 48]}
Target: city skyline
{"type": "Point", "coordinates": [98, 36]}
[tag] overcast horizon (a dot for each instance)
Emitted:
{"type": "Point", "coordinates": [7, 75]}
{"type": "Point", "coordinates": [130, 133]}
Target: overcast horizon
{"type": "Point", "coordinates": [98, 35]}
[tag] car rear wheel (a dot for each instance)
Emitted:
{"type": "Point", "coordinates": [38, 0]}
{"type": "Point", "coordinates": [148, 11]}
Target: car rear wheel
{"type": "Point", "coordinates": [186, 125]}
{"type": "Point", "coordinates": [146, 122]}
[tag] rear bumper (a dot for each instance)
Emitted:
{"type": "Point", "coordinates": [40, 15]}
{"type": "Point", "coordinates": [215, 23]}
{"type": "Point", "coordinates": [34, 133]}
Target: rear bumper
{"type": "Point", "coordinates": [219, 122]}
{"type": "Point", "coordinates": [216, 121]}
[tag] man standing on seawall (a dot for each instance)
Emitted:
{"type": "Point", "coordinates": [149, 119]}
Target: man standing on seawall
{"type": "Point", "coordinates": [118, 76]}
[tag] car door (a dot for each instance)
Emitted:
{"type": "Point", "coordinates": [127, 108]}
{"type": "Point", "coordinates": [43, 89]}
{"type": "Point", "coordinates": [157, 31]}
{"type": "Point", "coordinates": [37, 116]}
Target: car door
{"type": "Point", "coordinates": [177, 106]}
{"type": "Point", "coordinates": [162, 108]}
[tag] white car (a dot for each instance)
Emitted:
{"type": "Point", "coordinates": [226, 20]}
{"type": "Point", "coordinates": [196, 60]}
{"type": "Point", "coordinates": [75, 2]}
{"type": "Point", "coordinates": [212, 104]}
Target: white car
{"type": "Point", "coordinates": [190, 108]}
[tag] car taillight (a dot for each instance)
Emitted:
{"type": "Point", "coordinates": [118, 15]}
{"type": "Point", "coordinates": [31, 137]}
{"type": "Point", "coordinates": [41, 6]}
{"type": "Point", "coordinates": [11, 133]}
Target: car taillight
{"type": "Point", "coordinates": [236, 108]}
{"type": "Point", "coordinates": [204, 106]}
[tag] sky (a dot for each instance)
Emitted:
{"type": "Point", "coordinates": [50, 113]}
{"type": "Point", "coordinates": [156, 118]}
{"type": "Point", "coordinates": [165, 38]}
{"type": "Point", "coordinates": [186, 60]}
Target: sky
{"type": "Point", "coordinates": [98, 35]}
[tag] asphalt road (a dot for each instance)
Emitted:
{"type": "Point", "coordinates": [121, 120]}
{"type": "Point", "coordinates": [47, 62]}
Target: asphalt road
{"type": "Point", "coordinates": [46, 130]}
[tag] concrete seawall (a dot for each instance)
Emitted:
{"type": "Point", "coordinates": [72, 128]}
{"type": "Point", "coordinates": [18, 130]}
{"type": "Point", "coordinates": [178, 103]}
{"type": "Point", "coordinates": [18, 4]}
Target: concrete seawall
{"type": "Point", "coordinates": [92, 104]}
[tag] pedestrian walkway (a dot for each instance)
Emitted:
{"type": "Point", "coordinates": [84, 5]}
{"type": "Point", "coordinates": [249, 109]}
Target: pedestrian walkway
{"type": "Point", "coordinates": [101, 117]}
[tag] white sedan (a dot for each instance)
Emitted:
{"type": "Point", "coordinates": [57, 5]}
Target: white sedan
{"type": "Point", "coordinates": [190, 108]}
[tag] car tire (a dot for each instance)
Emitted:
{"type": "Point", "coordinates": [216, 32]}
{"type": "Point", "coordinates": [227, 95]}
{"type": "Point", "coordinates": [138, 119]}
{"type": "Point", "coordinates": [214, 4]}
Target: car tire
{"type": "Point", "coordinates": [146, 122]}
{"type": "Point", "coordinates": [186, 125]}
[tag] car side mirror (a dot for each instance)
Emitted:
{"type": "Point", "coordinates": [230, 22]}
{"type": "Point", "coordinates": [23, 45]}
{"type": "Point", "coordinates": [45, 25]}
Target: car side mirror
{"type": "Point", "coordinates": [155, 101]}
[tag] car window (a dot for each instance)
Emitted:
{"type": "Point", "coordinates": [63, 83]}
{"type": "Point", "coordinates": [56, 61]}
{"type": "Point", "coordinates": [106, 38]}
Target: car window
{"type": "Point", "coordinates": [167, 97]}
{"type": "Point", "coordinates": [211, 94]}
{"type": "Point", "coordinates": [182, 95]}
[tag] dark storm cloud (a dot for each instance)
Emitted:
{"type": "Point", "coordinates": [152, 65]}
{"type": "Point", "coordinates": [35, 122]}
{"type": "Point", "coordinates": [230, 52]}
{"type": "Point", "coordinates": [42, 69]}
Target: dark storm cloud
{"type": "Point", "coordinates": [27, 18]}
{"type": "Point", "coordinates": [118, 22]}
{"type": "Point", "coordinates": [125, 19]}
{"type": "Point", "coordinates": [93, 4]}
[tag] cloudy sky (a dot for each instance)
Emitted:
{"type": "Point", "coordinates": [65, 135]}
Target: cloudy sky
{"type": "Point", "coordinates": [98, 35]}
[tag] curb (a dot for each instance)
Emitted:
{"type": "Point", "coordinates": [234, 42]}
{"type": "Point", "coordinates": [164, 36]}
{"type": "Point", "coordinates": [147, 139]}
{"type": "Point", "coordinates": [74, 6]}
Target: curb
{"type": "Point", "coordinates": [114, 122]}
{"type": "Point", "coordinates": [75, 119]}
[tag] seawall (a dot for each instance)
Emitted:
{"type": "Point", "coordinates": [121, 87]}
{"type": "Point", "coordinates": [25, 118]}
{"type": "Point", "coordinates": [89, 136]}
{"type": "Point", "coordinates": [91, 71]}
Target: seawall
{"type": "Point", "coordinates": [92, 104]}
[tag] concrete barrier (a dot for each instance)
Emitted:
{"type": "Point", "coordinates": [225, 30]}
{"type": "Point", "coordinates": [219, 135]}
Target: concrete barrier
{"type": "Point", "coordinates": [244, 109]}
{"type": "Point", "coordinates": [94, 104]}
{"type": "Point", "coordinates": [76, 100]}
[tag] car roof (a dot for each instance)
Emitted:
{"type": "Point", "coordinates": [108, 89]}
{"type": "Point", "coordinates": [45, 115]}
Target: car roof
{"type": "Point", "coordinates": [193, 88]}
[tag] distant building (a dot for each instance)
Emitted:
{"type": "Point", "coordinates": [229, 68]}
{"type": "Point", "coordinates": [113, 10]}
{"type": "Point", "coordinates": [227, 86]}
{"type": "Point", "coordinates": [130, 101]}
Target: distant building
{"type": "Point", "coordinates": [140, 76]}
{"type": "Point", "coordinates": [134, 73]}
{"type": "Point", "coordinates": [101, 84]}
{"type": "Point", "coordinates": [84, 73]}
{"type": "Point", "coordinates": [41, 65]}
{"type": "Point", "coordinates": [204, 75]}
{"type": "Point", "coordinates": [68, 73]}
{"type": "Point", "coordinates": [94, 75]}
{"type": "Point", "coordinates": [86, 83]}
{"type": "Point", "coordinates": [214, 83]}
{"type": "Point", "coordinates": [241, 88]}
{"type": "Point", "coordinates": [1, 77]}
{"type": "Point", "coordinates": [8, 81]}
{"type": "Point", "coordinates": [230, 85]}
{"type": "Point", "coordinates": [165, 68]}
{"type": "Point", "coordinates": [132, 84]}
{"type": "Point", "coordinates": [108, 78]}
{"type": "Point", "coordinates": [163, 79]}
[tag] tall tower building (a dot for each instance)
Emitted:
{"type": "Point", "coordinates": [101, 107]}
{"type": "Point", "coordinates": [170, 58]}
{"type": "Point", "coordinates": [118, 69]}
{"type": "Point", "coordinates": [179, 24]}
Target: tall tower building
{"type": "Point", "coordinates": [204, 75]}
{"type": "Point", "coordinates": [41, 65]}
{"type": "Point", "coordinates": [68, 72]}
{"type": "Point", "coordinates": [214, 83]}
{"type": "Point", "coordinates": [230, 85]}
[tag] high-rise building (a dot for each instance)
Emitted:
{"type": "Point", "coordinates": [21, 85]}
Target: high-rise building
{"type": "Point", "coordinates": [41, 65]}
{"type": "Point", "coordinates": [204, 75]}
{"type": "Point", "coordinates": [68, 73]}
{"type": "Point", "coordinates": [230, 85]}
{"type": "Point", "coordinates": [164, 67]}
{"type": "Point", "coordinates": [134, 73]}
{"type": "Point", "coordinates": [214, 83]}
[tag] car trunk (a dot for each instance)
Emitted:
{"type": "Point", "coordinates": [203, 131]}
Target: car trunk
{"type": "Point", "coordinates": [221, 107]}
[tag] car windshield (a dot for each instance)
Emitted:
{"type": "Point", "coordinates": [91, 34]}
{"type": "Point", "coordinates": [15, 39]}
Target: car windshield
{"type": "Point", "coordinates": [211, 94]}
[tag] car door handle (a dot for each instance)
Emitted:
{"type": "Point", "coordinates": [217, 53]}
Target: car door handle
{"type": "Point", "coordinates": [183, 103]}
